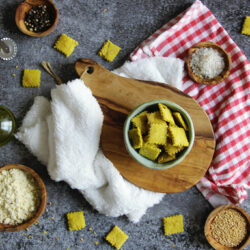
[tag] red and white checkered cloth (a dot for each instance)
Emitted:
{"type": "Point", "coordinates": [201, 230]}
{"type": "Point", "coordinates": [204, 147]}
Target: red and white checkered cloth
{"type": "Point", "coordinates": [227, 103]}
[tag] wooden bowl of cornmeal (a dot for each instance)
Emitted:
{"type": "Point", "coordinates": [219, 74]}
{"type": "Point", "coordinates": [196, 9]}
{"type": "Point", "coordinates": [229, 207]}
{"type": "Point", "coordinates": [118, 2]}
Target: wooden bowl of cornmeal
{"type": "Point", "coordinates": [208, 63]}
{"type": "Point", "coordinates": [24, 197]}
{"type": "Point", "coordinates": [228, 228]}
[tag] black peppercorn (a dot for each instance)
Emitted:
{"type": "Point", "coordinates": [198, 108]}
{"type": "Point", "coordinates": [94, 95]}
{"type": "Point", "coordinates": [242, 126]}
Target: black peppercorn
{"type": "Point", "coordinates": [39, 18]}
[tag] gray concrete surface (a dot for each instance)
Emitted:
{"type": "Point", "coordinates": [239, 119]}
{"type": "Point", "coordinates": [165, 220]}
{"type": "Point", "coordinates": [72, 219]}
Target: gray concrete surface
{"type": "Point", "coordinates": [125, 23]}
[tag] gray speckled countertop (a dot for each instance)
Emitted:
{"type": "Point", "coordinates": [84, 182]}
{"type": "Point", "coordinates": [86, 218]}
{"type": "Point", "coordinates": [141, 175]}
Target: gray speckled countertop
{"type": "Point", "coordinates": [126, 23]}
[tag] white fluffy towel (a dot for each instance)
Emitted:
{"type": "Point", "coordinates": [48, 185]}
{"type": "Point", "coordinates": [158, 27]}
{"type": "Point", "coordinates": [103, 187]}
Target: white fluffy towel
{"type": "Point", "coordinates": [64, 134]}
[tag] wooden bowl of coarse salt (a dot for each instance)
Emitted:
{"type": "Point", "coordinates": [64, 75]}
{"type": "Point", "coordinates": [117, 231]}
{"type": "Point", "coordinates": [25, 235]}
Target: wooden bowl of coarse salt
{"type": "Point", "coordinates": [208, 63]}
{"type": "Point", "coordinates": [23, 197]}
{"type": "Point", "coordinates": [228, 228]}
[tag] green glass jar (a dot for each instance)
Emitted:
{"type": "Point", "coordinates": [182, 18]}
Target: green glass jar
{"type": "Point", "coordinates": [7, 125]}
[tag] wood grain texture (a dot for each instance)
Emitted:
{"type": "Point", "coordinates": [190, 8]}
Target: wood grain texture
{"type": "Point", "coordinates": [117, 97]}
{"type": "Point", "coordinates": [217, 79]}
{"type": "Point", "coordinates": [41, 208]}
{"type": "Point", "coordinates": [24, 7]}
{"type": "Point", "coordinates": [208, 232]}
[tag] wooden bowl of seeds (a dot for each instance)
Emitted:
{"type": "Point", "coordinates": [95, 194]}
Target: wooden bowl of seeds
{"type": "Point", "coordinates": [208, 63]}
{"type": "Point", "coordinates": [228, 228]}
{"type": "Point", "coordinates": [23, 197]}
{"type": "Point", "coordinates": [36, 18]}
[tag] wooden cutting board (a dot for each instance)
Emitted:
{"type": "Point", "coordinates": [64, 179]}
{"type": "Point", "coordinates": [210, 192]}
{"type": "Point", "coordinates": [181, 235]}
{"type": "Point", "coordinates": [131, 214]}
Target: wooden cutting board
{"type": "Point", "coordinates": [117, 96]}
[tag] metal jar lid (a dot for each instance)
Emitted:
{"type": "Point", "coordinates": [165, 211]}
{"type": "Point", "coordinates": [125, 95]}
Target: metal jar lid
{"type": "Point", "coordinates": [8, 49]}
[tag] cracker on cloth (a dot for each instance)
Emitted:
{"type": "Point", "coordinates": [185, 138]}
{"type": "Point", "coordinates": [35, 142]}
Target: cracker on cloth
{"type": "Point", "coordinates": [116, 237]}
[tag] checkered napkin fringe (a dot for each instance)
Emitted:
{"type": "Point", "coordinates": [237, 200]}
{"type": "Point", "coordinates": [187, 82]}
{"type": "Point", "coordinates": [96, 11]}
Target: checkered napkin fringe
{"type": "Point", "coordinates": [227, 103]}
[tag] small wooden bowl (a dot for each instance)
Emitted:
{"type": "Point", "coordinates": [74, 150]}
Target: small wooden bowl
{"type": "Point", "coordinates": [24, 7]}
{"type": "Point", "coordinates": [6, 227]}
{"type": "Point", "coordinates": [211, 217]}
{"type": "Point", "coordinates": [222, 76]}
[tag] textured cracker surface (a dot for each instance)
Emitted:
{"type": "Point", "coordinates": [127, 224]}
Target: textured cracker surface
{"type": "Point", "coordinates": [126, 23]}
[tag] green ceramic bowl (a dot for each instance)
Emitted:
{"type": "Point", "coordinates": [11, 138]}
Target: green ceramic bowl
{"type": "Point", "coordinates": [152, 106]}
{"type": "Point", "coordinates": [7, 125]}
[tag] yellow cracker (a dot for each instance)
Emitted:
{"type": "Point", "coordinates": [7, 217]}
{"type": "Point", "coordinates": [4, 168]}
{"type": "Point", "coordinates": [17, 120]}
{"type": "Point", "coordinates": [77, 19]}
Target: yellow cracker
{"type": "Point", "coordinates": [76, 220]}
{"type": "Point", "coordinates": [65, 44]}
{"type": "Point", "coordinates": [155, 117]}
{"type": "Point", "coordinates": [246, 26]}
{"type": "Point", "coordinates": [164, 157]}
{"type": "Point", "coordinates": [140, 121]}
{"type": "Point", "coordinates": [116, 237]}
{"type": "Point", "coordinates": [178, 136]}
{"type": "Point", "coordinates": [109, 51]}
{"type": "Point", "coordinates": [149, 151]}
{"type": "Point", "coordinates": [166, 113]}
{"type": "Point", "coordinates": [145, 138]}
{"type": "Point", "coordinates": [172, 150]}
{"type": "Point", "coordinates": [158, 133]}
{"type": "Point", "coordinates": [173, 224]}
{"type": "Point", "coordinates": [135, 137]}
{"type": "Point", "coordinates": [31, 78]}
{"type": "Point", "coordinates": [180, 120]}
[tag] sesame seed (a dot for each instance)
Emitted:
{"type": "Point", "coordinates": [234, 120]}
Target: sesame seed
{"type": "Point", "coordinates": [229, 228]}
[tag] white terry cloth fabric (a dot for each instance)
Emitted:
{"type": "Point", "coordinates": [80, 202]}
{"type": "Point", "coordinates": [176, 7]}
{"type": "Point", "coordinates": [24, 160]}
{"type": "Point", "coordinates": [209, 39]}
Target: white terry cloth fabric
{"type": "Point", "coordinates": [64, 134]}
{"type": "Point", "coordinates": [160, 69]}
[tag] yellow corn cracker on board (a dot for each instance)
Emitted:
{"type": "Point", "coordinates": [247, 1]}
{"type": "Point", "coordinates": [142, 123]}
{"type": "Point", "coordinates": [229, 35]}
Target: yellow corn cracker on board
{"type": "Point", "coordinates": [164, 157]}
{"type": "Point", "coordinates": [149, 151]}
{"type": "Point", "coordinates": [158, 133]}
{"type": "Point", "coordinates": [31, 78]}
{"type": "Point", "coordinates": [155, 117]}
{"type": "Point", "coordinates": [180, 121]}
{"type": "Point", "coordinates": [140, 121]}
{"type": "Point", "coordinates": [178, 136]}
{"type": "Point", "coordinates": [136, 137]}
{"type": "Point", "coordinates": [116, 237]}
{"type": "Point", "coordinates": [166, 113]}
{"type": "Point", "coordinates": [172, 150]}
{"type": "Point", "coordinates": [109, 51]}
{"type": "Point", "coordinates": [173, 224]}
{"type": "Point", "coordinates": [65, 44]}
{"type": "Point", "coordinates": [76, 220]}
{"type": "Point", "coordinates": [246, 26]}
